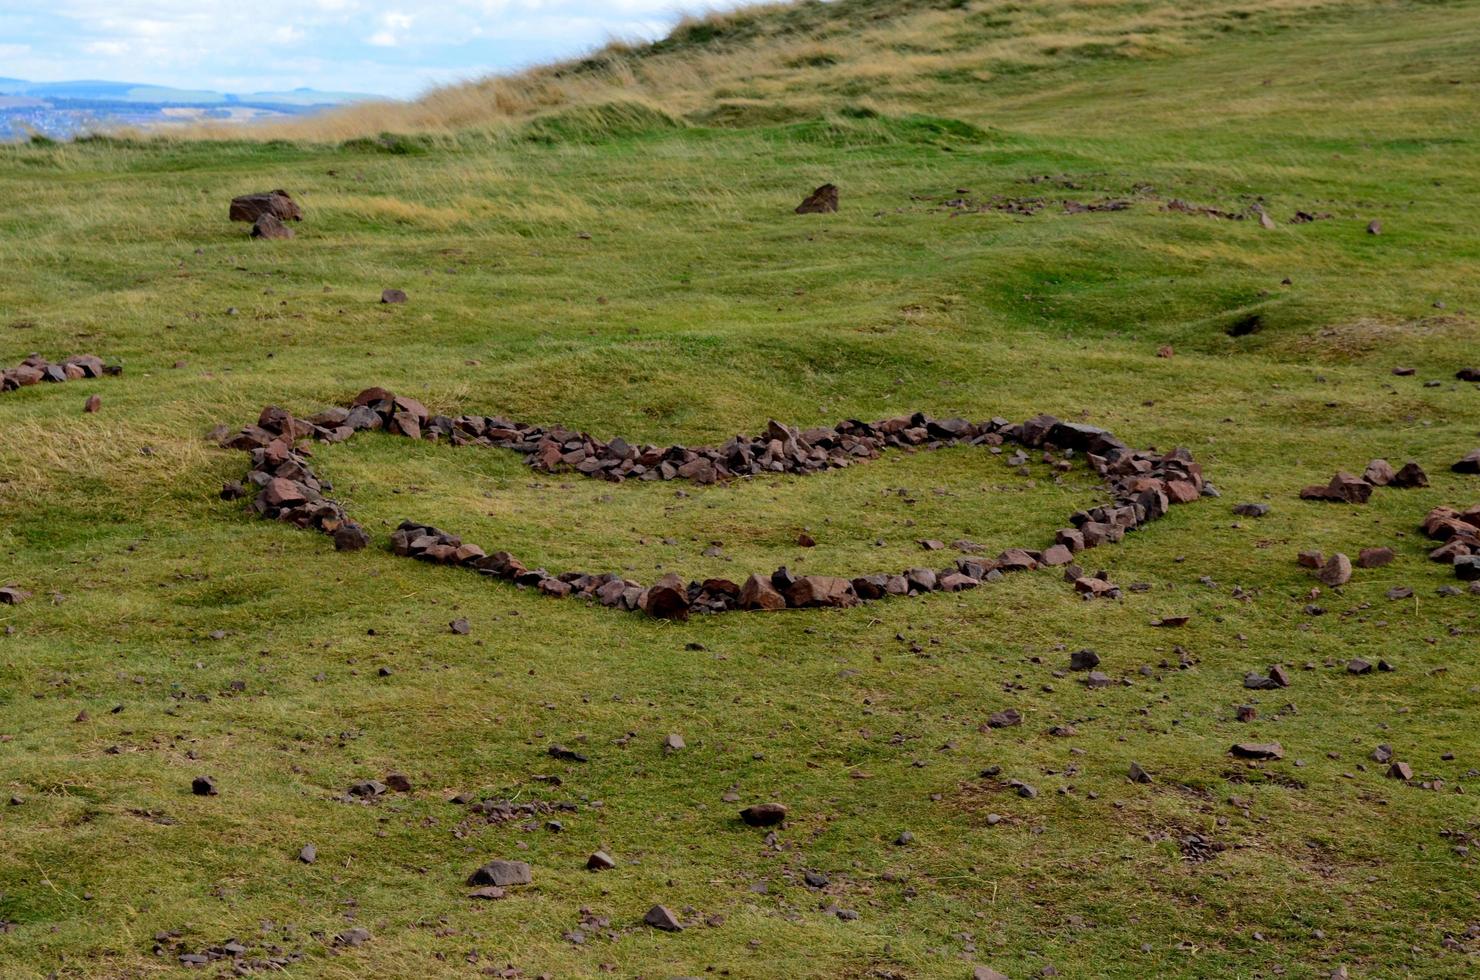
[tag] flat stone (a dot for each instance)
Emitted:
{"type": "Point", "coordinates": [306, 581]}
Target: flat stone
{"type": "Point", "coordinates": [659, 917]}
{"type": "Point", "coordinates": [763, 814]}
{"type": "Point", "coordinates": [1258, 750]}
{"type": "Point", "coordinates": [504, 874]}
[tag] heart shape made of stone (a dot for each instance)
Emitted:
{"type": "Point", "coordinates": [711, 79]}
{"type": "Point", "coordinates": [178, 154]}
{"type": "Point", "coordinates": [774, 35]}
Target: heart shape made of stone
{"type": "Point", "coordinates": [1143, 485]}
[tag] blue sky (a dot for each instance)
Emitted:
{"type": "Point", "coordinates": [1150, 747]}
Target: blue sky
{"type": "Point", "coordinates": [395, 48]}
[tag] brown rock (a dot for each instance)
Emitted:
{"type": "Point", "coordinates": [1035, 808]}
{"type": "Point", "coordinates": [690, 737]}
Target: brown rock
{"type": "Point", "coordinates": [758, 593]}
{"type": "Point", "coordinates": [504, 874]}
{"type": "Point", "coordinates": [1379, 473]}
{"type": "Point", "coordinates": [250, 207]}
{"type": "Point", "coordinates": [268, 226]}
{"type": "Point", "coordinates": [1411, 476]}
{"type": "Point", "coordinates": [392, 296]}
{"type": "Point", "coordinates": [824, 200]}
{"type": "Point", "coordinates": [668, 598]}
{"type": "Point", "coordinates": [1374, 557]}
{"type": "Point", "coordinates": [821, 590]}
{"type": "Point", "coordinates": [763, 814]}
{"type": "Point", "coordinates": [1337, 570]}
{"type": "Point", "coordinates": [92, 404]}
{"type": "Point", "coordinates": [1400, 770]}
{"type": "Point", "coordinates": [13, 595]}
{"type": "Point", "coordinates": [1258, 750]}
{"type": "Point", "coordinates": [1470, 464]}
{"type": "Point", "coordinates": [659, 917]}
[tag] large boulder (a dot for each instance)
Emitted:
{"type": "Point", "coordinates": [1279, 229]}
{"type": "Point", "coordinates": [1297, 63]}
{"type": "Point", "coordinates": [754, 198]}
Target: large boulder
{"type": "Point", "coordinates": [250, 207]}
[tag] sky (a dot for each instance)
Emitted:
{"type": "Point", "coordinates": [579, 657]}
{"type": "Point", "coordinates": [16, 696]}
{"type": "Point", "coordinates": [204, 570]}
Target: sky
{"type": "Point", "coordinates": [383, 48]}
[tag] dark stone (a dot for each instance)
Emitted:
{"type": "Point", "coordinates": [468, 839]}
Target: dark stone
{"type": "Point", "coordinates": [763, 814]}
{"type": "Point", "coordinates": [250, 207]}
{"type": "Point", "coordinates": [660, 917]}
{"type": "Point", "coordinates": [1084, 660]}
{"type": "Point", "coordinates": [203, 786]}
{"type": "Point", "coordinates": [350, 536]}
{"type": "Point", "coordinates": [504, 874]}
{"type": "Point", "coordinates": [1266, 751]}
{"type": "Point", "coordinates": [824, 200]}
{"type": "Point", "coordinates": [392, 296]}
{"type": "Point", "coordinates": [270, 227]}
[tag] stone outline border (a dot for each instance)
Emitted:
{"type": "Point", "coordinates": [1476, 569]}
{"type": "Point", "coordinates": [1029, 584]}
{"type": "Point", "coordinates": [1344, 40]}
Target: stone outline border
{"type": "Point", "coordinates": [36, 369]}
{"type": "Point", "coordinates": [1142, 483]}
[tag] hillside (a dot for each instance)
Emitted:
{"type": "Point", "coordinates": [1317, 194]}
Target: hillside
{"type": "Point", "coordinates": [1243, 238]}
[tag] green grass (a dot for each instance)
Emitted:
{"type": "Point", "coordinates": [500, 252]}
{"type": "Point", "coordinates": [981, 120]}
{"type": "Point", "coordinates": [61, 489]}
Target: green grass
{"type": "Point", "coordinates": [700, 307]}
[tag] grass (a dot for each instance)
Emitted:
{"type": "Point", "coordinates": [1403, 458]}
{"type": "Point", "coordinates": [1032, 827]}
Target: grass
{"type": "Point", "coordinates": [699, 307]}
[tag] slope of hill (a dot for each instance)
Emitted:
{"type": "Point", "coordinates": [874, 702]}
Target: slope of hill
{"type": "Point", "coordinates": [1153, 217]}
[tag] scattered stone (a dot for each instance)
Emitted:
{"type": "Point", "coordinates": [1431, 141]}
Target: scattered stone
{"type": "Point", "coordinates": [1400, 770]}
{"type": "Point", "coordinates": [392, 296]}
{"type": "Point", "coordinates": [203, 786]}
{"type": "Point", "coordinates": [1469, 464]}
{"type": "Point", "coordinates": [1374, 227]}
{"type": "Point", "coordinates": [565, 754]}
{"type": "Point", "coordinates": [358, 936]}
{"type": "Point", "coordinates": [367, 789]}
{"type": "Point", "coordinates": [1337, 571]}
{"type": "Point", "coordinates": [660, 917]}
{"type": "Point", "coordinates": [1084, 660]}
{"type": "Point", "coordinates": [1005, 719]}
{"type": "Point", "coordinates": [504, 874]}
{"type": "Point", "coordinates": [398, 782]}
{"type": "Point", "coordinates": [279, 204]}
{"type": "Point", "coordinates": [1343, 488]}
{"type": "Point", "coordinates": [460, 627]}
{"type": "Point", "coordinates": [309, 854]}
{"type": "Point", "coordinates": [93, 405]}
{"type": "Point", "coordinates": [600, 861]}
{"type": "Point", "coordinates": [13, 595]}
{"type": "Point", "coordinates": [1251, 510]}
{"type": "Point", "coordinates": [1375, 557]}
{"type": "Point", "coordinates": [270, 227]}
{"type": "Point", "coordinates": [1137, 774]}
{"type": "Point", "coordinates": [674, 743]}
{"type": "Point", "coordinates": [1358, 666]}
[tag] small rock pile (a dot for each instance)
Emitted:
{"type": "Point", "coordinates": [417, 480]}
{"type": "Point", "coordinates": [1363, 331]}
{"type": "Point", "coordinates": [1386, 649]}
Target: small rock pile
{"type": "Point", "coordinates": [1460, 533]}
{"type": "Point", "coordinates": [1347, 489]}
{"type": "Point", "coordinates": [36, 369]}
{"type": "Point", "coordinates": [282, 486]}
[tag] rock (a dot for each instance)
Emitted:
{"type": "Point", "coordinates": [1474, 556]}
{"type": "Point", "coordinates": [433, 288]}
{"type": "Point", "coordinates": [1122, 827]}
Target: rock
{"type": "Point", "coordinates": [1374, 227]}
{"type": "Point", "coordinates": [1005, 719]}
{"type": "Point", "coordinates": [392, 296]}
{"type": "Point", "coordinates": [565, 755]}
{"type": "Point", "coordinates": [1400, 592]}
{"type": "Point", "coordinates": [763, 814]}
{"type": "Point", "coordinates": [1258, 750]}
{"type": "Point", "coordinates": [660, 917]}
{"type": "Point", "coordinates": [1382, 754]}
{"type": "Point", "coordinates": [460, 627]}
{"type": "Point", "coordinates": [674, 743]}
{"type": "Point", "coordinates": [1467, 568]}
{"type": "Point", "coordinates": [488, 893]}
{"type": "Point", "coordinates": [824, 200]}
{"type": "Point", "coordinates": [504, 874]}
{"type": "Point", "coordinates": [13, 595]}
{"type": "Point", "coordinates": [668, 598]}
{"type": "Point", "coordinates": [987, 973]}
{"type": "Point", "coordinates": [350, 536]}
{"type": "Point", "coordinates": [1343, 488]}
{"type": "Point", "coordinates": [92, 405]}
{"type": "Point", "coordinates": [250, 207]}
{"type": "Point", "coordinates": [398, 781]}
{"type": "Point", "coordinates": [1374, 557]}
{"type": "Point", "coordinates": [203, 786]}
{"type": "Point", "coordinates": [821, 590]}
{"type": "Point", "coordinates": [1405, 372]}
{"type": "Point", "coordinates": [1358, 666]}
{"type": "Point", "coordinates": [1470, 464]}
{"type": "Point", "coordinates": [309, 854]}
{"type": "Point", "coordinates": [759, 593]}
{"type": "Point", "coordinates": [1379, 473]}
{"type": "Point", "coordinates": [1411, 476]}
{"type": "Point", "coordinates": [1096, 679]}
{"type": "Point", "coordinates": [367, 789]}
{"type": "Point", "coordinates": [357, 936]}
{"type": "Point", "coordinates": [600, 861]}
{"type": "Point", "coordinates": [805, 540]}
{"type": "Point", "coordinates": [1251, 510]}
{"type": "Point", "coordinates": [1310, 559]}
{"type": "Point", "coordinates": [1468, 374]}
{"type": "Point", "coordinates": [1084, 660]}
{"type": "Point", "coordinates": [1136, 774]}
{"type": "Point", "coordinates": [1337, 571]}
{"type": "Point", "coordinates": [1400, 770]}
{"type": "Point", "coordinates": [905, 839]}
{"type": "Point", "coordinates": [1279, 675]}
{"type": "Point", "coordinates": [270, 227]}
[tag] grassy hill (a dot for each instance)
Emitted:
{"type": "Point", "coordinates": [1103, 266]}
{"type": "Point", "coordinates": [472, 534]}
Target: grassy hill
{"type": "Point", "coordinates": [610, 245]}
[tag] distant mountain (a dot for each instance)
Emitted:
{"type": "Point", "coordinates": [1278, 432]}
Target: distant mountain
{"type": "Point", "coordinates": [63, 109]}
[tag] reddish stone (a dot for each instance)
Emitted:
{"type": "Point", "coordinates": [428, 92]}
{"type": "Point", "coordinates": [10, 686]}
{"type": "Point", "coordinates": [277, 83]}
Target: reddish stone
{"type": "Point", "coordinates": [758, 593]}
{"type": "Point", "coordinates": [821, 590]}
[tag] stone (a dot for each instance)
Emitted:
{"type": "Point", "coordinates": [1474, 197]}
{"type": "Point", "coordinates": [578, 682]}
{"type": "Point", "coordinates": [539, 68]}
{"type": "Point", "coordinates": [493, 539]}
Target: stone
{"type": "Point", "coordinates": [270, 227]}
{"type": "Point", "coordinates": [600, 861]}
{"type": "Point", "coordinates": [1137, 774]}
{"type": "Point", "coordinates": [987, 973]}
{"type": "Point", "coordinates": [824, 200]}
{"type": "Point", "coordinates": [1467, 568]}
{"type": "Point", "coordinates": [1374, 227]}
{"type": "Point", "coordinates": [504, 874]}
{"type": "Point", "coordinates": [1358, 666]}
{"type": "Point", "coordinates": [674, 743]}
{"type": "Point", "coordinates": [1374, 557]}
{"type": "Point", "coordinates": [1265, 751]}
{"type": "Point", "coordinates": [1411, 476]}
{"type": "Point", "coordinates": [811, 591]}
{"type": "Point", "coordinates": [398, 781]}
{"type": "Point", "coordinates": [12, 595]}
{"type": "Point", "coordinates": [1005, 719]}
{"type": "Point", "coordinates": [460, 627]}
{"type": "Point", "coordinates": [1096, 679]}
{"type": "Point", "coordinates": [93, 405]}
{"type": "Point", "coordinates": [1084, 660]}
{"type": "Point", "coordinates": [759, 593]}
{"type": "Point", "coordinates": [350, 536]}
{"type": "Point", "coordinates": [667, 598]}
{"type": "Point", "coordinates": [367, 789]}
{"type": "Point", "coordinates": [279, 204]}
{"type": "Point", "coordinates": [1337, 571]}
{"type": "Point", "coordinates": [1343, 488]}
{"type": "Point", "coordinates": [763, 814]}
{"type": "Point", "coordinates": [392, 296]}
{"type": "Point", "coordinates": [309, 854]}
{"type": "Point", "coordinates": [1251, 510]}
{"type": "Point", "coordinates": [1279, 675]}
{"type": "Point", "coordinates": [1400, 770]}
{"type": "Point", "coordinates": [203, 786]}
{"type": "Point", "coordinates": [358, 936]}
{"type": "Point", "coordinates": [659, 917]}
{"type": "Point", "coordinates": [1469, 464]}
{"type": "Point", "coordinates": [1379, 473]}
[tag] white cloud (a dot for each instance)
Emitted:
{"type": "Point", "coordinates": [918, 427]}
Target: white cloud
{"type": "Point", "coordinates": [389, 46]}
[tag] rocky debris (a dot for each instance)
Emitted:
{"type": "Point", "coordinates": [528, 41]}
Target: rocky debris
{"type": "Point", "coordinates": [763, 814]}
{"type": "Point", "coordinates": [1469, 464]}
{"type": "Point", "coordinates": [1251, 510]}
{"type": "Point", "coordinates": [1010, 718]}
{"type": "Point", "coordinates": [398, 782]}
{"type": "Point", "coordinates": [674, 743]}
{"type": "Point", "coordinates": [203, 786]}
{"type": "Point", "coordinates": [824, 200]}
{"type": "Point", "coordinates": [37, 370]}
{"type": "Point", "coordinates": [271, 227]}
{"type": "Point", "coordinates": [282, 485]}
{"type": "Point", "coordinates": [1336, 571]}
{"type": "Point", "coordinates": [1459, 532]}
{"type": "Point", "coordinates": [1358, 666]}
{"type": "Point", "coordinates": [279, 204]}
{"type": "Point", "coordinates": [367, 789]}
{"type": "Point", "coordinates": [600, 861]}
{"type": "Point", "coordinates": [659, 917]}
{"type": "Point", "coordinates": [503, 874]}
{"type": "Point", "coordinates": [1343, 488]}
{"type": "Point", "coordinates": [358, 936]}
{"type": "Point", "coordinates": [987, 973]}
{"type": "Point", "coordinates": [13, 595]}
{"type": "Point", "coordinates": [1259, 751]}
{"type": "Point", "coordinates": [390, 296]}
{"type": "Point", "coordinates": [1084, 660]}
{"type": "Point", "coordinates": [1400, 770]}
